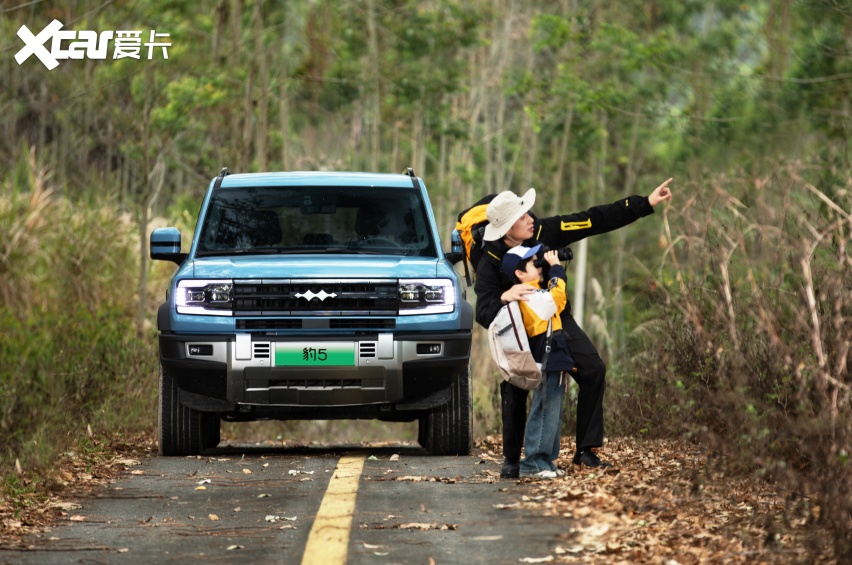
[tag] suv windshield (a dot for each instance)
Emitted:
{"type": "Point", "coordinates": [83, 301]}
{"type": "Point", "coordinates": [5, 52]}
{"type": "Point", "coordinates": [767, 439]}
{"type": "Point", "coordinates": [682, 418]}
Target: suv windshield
{"type": "Point", "coordinates": [316, 219]}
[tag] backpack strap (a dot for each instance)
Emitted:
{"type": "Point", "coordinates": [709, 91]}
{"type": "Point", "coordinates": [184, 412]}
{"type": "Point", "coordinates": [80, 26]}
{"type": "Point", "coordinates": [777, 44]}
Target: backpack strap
{"type": "Point", "coordinates": [547, 345]}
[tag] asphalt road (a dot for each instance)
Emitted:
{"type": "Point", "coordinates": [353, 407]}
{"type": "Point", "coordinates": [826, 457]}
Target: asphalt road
{"type": "Point", "coordinates": [356, 505]}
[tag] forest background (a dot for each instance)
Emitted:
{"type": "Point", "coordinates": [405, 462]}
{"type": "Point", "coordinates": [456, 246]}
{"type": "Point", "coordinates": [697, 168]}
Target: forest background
{"type": "Point", "coordinates": [724, 318]}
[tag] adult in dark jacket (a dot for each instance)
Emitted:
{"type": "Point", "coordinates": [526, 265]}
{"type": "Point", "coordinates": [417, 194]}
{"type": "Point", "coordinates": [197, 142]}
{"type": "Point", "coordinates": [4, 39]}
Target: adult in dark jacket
{"type": "Point", "coordinates": [510, 224]}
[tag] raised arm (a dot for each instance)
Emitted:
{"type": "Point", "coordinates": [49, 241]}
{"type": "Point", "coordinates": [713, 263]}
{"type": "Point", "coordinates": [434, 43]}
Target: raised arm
{"type": "Point", "coordinates": [559, 231]}
{"type": "Point", "coordinates": [660, 194]}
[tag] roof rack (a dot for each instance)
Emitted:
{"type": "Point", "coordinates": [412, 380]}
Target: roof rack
{"type": "Point", "coordinates": [410, 172]}
{"type": "Point", "coordinates": [222, 174]}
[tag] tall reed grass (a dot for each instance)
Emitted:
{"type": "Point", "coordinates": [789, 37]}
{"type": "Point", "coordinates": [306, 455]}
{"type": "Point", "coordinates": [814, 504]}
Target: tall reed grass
{"type": "Point", "coordinates": [749, 351]}
{"type": "Point", "coordinates": [70, 357]}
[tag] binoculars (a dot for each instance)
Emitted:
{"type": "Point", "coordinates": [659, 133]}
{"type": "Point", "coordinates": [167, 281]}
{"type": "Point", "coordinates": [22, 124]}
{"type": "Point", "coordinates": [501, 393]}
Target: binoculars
{"type": "Point", "coordinates": [564, 254]}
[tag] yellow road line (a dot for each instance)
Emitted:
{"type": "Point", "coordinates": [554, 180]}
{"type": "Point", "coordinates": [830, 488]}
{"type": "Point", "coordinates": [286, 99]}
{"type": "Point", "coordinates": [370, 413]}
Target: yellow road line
{"type": "Point", "coordinates": [328, 541]}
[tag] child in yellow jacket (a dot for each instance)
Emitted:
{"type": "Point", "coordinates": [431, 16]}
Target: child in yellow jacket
{"type": "Point", "coordinates": [549, 348]}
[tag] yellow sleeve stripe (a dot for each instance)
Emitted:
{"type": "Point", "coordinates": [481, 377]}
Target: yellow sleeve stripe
{"type": "Point", "coordinates": [570, 226]}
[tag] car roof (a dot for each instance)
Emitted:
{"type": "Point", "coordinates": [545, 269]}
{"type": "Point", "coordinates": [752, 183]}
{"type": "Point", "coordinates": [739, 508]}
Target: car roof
{"type": "Point", "coordinates": [317, 178]}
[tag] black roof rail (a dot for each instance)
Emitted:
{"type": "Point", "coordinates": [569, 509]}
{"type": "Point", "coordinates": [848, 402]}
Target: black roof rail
{"type": "Point", "coordinates": [222, 174]}
{"type": "Point", "coordinates": [410, 172]}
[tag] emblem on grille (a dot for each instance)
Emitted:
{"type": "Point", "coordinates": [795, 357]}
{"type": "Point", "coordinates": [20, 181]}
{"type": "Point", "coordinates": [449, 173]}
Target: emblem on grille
{"type": "Point", "coordinates": [310, 295]}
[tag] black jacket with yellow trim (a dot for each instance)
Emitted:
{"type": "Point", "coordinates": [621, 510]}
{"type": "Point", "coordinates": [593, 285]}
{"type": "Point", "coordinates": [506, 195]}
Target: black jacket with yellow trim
{"type": "Point", "coordinates": [555, 232]}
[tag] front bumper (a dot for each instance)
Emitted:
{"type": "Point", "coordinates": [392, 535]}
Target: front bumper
{"type": "Point", "coordinates": [239, 373]}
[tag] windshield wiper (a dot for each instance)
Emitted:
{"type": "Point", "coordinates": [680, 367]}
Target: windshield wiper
{"type": "Point", "coordinates": [286, 251]}
{"type": "Point", "coordinates": [253, 251]}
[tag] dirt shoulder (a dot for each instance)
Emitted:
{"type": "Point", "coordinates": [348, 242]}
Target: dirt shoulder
{"type": "Point", "coordinates": [31, 506]}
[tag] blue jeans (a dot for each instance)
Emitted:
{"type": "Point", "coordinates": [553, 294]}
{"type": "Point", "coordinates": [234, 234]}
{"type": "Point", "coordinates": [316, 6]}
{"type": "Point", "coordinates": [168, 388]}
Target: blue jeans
{"type": "Point", "coordinates": [544, 427]}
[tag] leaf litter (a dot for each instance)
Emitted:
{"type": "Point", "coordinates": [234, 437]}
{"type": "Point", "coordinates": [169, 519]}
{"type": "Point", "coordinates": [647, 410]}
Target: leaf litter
{"type": "Point", "coordinates": [664, 502]}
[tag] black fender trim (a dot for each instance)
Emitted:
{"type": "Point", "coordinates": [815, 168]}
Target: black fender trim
{"type": "Point", "coordinates": [164, 321]}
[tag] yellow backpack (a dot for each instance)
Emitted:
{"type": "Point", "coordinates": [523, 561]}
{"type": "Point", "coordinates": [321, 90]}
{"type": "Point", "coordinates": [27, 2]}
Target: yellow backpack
{"type": "Point", "coordinates": [467, 237]}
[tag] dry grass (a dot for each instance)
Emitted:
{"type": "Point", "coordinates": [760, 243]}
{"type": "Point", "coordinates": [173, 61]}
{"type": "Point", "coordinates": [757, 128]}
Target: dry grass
{"type": "Point", "coordinates": [750, 352]}
{"type": "Point", "coordinates": [70, 357]}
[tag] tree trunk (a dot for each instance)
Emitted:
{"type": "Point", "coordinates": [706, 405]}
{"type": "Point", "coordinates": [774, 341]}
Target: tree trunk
{"type": "Point", "coordinates": [396, 166]}
{"type": "Point", "coordinates": [422, 135]}
{"type": "Point", "coordinates": [221, 23]}
{"type": "Point", "coordinates": [284, 97]}
{"type": "Point", "coordinates": [558, 181]}
{"type": "Point", "coordinates": [373, 81]}
{"type": "Point", "coordinates": [238, 119]}
{"type": "Point", "coordinates": [143, 201]}
{"type": "Point", "coordinates": [631, 170]}
{"type": "Point", "coordinates": [441, 179]}
{"type": "Point", "coordinates": [262, 129]}
{"type": "Point", "coordinates": [284, 121]}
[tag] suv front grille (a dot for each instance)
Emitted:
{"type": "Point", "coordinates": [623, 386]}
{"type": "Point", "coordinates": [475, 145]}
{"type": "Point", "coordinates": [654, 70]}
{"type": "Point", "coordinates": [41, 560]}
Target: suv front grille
{"type": "Point", "coordinates": [316, 298]}
{"type": "Point", "coordinates": [274, 324]}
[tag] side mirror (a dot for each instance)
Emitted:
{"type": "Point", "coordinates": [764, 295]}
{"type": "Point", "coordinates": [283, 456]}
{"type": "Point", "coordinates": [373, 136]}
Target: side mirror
{"type": "Point", "coordinates": [453, 256]}
{"type": "Point", "coordinates": [456, 252]}
{"type": "Point", "coordinates": [165, 245]}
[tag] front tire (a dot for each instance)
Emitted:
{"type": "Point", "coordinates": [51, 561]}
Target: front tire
{"type": "Point", "coordinates": [448, 429]}
{"type": "Point", "coordinates": [179, 428]}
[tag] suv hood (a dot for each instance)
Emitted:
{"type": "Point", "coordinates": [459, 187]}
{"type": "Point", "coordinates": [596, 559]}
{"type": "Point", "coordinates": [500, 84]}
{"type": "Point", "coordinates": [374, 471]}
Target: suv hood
{"type": "Point", "coordinates": [311, 266]}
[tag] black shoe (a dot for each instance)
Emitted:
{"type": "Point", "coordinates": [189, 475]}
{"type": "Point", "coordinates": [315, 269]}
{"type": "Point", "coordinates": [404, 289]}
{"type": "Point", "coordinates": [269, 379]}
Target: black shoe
{"type": "Point", "coordinates": [589, 459]}
{"type": "Point", "coordinates": [510, 470]}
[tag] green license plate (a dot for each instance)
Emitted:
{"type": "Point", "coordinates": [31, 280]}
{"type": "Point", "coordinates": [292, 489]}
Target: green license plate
{"type": "Point", "coordinates": [318, 354]}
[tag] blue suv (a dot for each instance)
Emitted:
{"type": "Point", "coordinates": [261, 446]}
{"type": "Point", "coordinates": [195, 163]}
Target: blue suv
{"type": "Point", "coordinates": [313, 295]}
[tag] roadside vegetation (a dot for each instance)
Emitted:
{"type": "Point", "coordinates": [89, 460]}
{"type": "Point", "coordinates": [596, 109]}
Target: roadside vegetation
{"type": "Point", "coordinates": [724, 319]}
{"type": "Point", "coordinates": [73, 361]}
{"type": "Point", "coordinates": [748, 346]}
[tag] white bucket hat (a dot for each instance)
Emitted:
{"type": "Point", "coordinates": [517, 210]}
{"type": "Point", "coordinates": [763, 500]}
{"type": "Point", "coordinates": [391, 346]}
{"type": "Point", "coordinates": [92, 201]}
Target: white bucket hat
{"type": "Point", "coordinates": [506, 209]}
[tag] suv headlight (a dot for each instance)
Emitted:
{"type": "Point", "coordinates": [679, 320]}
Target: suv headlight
{"type": "Point", "coordinates": [211, 298]}
{"type": "Point", "coordinates": [426, 296]}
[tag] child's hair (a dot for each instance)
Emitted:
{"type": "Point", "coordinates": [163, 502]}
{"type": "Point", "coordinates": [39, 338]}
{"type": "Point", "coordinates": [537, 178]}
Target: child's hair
{"type": "Point", "coordinates": [521, 266]}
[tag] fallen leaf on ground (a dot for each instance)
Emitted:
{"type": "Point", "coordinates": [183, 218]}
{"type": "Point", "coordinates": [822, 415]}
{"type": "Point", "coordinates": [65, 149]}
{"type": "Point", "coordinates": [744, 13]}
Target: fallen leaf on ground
{"type": "Point", "coordinates": [65, 505]}
{"type": "Point", "coordinates": [424, 526]}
